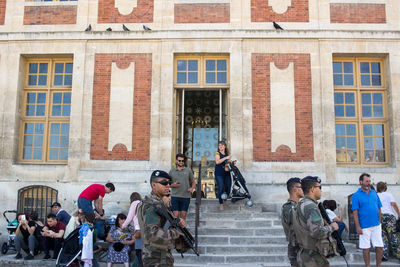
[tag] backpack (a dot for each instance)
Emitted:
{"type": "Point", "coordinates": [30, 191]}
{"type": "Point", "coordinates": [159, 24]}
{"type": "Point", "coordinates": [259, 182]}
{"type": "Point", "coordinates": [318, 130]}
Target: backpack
{"type": "Point", "coordinates": [287, 224]}
{"type": "Point", "coordinates": [327, 247]}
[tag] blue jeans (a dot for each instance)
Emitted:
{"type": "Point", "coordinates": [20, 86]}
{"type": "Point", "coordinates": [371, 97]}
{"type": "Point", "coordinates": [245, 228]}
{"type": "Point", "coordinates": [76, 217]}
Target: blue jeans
{"type": "Point", "coordinates": [224, 183]}
{"type": "Point", "coordinates": [85, 205]}
{"type": "Point", "coordinates": [100, 226]}
{"type": "Point", "coordinates": [341, 228]}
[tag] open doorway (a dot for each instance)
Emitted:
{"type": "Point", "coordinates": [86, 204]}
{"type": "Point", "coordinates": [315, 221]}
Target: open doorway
{"type": "Point", "coordinates": [201, 122]}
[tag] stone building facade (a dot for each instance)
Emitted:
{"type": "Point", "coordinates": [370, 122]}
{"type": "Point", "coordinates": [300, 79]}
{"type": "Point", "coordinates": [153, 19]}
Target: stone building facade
{"type": "Point", "coordinates": [80, 107]}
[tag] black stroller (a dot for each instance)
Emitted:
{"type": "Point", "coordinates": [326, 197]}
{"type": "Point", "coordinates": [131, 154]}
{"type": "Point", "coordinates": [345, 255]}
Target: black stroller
{"type": "Point", "coordinates": [11, 228]}
{"type": "Point", "coordinates": [239, 189]}
{"type": "Point", "coordinates": [70, 250]}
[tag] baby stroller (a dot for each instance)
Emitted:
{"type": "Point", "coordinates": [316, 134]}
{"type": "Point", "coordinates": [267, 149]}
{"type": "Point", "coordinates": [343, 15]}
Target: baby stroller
{"type": "Point", "coordinates": [11, 228]}
{"type": "Point", "coordinates": [70, 250]}
{"type": "Point", "coordinates": [238, 189]}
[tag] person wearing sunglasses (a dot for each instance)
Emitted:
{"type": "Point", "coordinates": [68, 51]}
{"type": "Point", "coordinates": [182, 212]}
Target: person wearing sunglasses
{"type": "Point", "coordinates": [158, 238]}
{"type": "Point", "coordinates": [182, 187]}
{"type": "Point", "coordinates": [309, 227]}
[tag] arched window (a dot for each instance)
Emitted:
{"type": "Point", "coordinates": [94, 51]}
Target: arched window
{"type": "Point", "coordinates": [36, 198]}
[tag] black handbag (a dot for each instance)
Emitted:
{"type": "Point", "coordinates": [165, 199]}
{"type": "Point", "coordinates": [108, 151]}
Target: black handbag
{"type": "Point", "coordinates": [398, 225]}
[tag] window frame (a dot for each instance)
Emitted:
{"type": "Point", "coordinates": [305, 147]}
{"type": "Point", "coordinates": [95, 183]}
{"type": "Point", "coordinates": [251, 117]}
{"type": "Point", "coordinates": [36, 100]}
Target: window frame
{"type": "Point", "coordinates": [47, 119]}
{"type": "Point", "coordinates": [201, 70]}
{"type": "Point", "coordinates": [359, 120]}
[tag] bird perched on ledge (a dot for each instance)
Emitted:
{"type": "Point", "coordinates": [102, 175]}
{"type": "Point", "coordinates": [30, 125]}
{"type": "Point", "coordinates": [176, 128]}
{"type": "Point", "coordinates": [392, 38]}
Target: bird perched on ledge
{"type": "Point", "coordinates": [125, 28]}
{"type": "Point", "coordinates": [109, 29]}
{"type": "Point", "coordinates": [277, 26]}
{"type": "Point", "coordinates": [146, 28]}
{"type": "Point", "coordinates": [89, 28]}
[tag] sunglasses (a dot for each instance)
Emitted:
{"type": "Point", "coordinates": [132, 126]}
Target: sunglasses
{"type": "Point", "coordinates": [319, 186]}
{"type": "Point", "coordinates": [163, 182]}
{"type": "Point", "coordinates": [180, 160]}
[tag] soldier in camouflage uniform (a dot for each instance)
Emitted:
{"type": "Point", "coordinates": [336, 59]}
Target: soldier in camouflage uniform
{"type": "Point", "coordinates": [295, 193]}
{"type": "Point", "coordinates": [158, 237]}
{"type": "Point", "coordinates": [309, 226]}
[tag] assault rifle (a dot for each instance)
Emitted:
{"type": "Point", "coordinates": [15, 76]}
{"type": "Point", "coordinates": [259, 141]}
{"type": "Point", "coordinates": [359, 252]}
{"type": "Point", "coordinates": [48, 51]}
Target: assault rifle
{"type": "Point", "coordinates": [187, 237]}
{"type": "Point", "coordinates": [335, 234]}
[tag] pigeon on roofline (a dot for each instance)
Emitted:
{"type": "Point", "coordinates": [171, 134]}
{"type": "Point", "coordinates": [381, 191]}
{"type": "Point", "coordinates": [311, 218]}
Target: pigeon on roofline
{"type": "Point", "coordinates": [125, 28]}
{"type": "Point", "coordinates": [89, 28]}
{"type": "Point", "coordinates": [146, 28]}
{"type": "Point", "coordinates": [277, 26]}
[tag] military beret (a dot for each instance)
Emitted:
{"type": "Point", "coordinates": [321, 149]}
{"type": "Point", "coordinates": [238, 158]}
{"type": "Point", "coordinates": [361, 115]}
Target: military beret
{"type": "Point", "coordinates": [160, 174]}
{"type": "Point", "coordinates": [311, 178]}
{"type": "Point", "coordinates": [293, 180]}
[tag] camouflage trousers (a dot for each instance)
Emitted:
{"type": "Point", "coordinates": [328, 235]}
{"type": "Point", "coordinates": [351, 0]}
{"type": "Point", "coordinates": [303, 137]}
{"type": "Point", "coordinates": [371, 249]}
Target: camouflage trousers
{"type": "Point", "coordinates": [292, 255]}
{"type": "Point", "coordinates": [311, 258]}
{"type": "Point", "coordinates": [391, 238]}
{"type": "Point", "coordinates": [157, 258]}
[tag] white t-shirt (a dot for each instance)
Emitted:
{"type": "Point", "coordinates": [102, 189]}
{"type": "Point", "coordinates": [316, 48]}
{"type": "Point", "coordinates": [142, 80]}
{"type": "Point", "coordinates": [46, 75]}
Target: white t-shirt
{"type": "Point", "coordinates": [387, 199]}
{"type": "Point", "coordinates": [331, 214]}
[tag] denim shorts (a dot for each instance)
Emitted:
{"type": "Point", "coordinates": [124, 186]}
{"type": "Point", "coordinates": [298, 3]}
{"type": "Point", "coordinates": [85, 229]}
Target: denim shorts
{"type": "Point", "coordinates": [180, 203]}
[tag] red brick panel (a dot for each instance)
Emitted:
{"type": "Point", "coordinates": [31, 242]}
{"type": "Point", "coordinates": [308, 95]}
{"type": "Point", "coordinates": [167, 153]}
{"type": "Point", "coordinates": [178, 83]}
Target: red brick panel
{"type": "Point", "coordinates": [262, 12]}
{"type": "Point", "coordinates": [141, 107]}
{"type": "Point", "coordinates": [2, 11]}
{"type": "Point", "coordinates": [262, 108]}
{"type": "Point", "coordinates": [358, 13]}
{"type": "Point", "coordinates": [202, 13]}
{"type": "Point", "coordinates": [44, 15]}
{"type": "Point", "coordinates": [108, 13]}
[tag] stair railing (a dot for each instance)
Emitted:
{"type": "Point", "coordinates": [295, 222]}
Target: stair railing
{"type": "Point", "coordinates": [198, 204]}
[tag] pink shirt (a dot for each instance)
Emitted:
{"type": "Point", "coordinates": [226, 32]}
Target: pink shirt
{"type": "Point", "coordinates": [132, 216]}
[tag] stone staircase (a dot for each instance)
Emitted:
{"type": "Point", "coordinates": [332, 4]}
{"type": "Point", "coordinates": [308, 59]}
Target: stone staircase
{"type": "Point", "coordinates": [248, 236]}
{"type": "Point", "coordinates": [239, 236]}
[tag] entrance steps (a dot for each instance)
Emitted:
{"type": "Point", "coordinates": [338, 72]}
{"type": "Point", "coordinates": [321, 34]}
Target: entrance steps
{"type": "Point", "coordinates": [241, 236]}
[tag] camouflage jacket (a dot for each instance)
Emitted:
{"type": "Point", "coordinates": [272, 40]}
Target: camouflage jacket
{"type": "Point", "coordinates": [312, 225]}
{"type": "Point", "coordinates": [287, 209]}
{"type": "Point", "coordinates": [154, 233]}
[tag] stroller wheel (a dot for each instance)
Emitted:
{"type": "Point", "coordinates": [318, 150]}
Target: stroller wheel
{"type": "Point", "coordinates": [249, 203]}
{"type": "Point", "coordinates": [4, 248]}
{"type": "Point", "coordinates": [224, 196]}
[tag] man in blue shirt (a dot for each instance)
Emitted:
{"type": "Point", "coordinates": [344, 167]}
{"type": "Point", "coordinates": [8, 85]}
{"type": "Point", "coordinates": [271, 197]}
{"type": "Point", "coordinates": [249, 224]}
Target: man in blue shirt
{"type": "Point", "coordinates": [61, 214]}
{"type": "Point", "coordinates": [366, 207]}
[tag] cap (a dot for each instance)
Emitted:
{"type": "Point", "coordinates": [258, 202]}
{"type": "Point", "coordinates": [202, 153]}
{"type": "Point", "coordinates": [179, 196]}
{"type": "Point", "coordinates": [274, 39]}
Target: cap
{"type": "Point", "coordinates": [56, 204]}
{"type": "Point", "coordinates": [311, 178]}
{"type": "Point", "coordinates": [293, 180]}
{"type": "Point", "coordinates": [160, 174]}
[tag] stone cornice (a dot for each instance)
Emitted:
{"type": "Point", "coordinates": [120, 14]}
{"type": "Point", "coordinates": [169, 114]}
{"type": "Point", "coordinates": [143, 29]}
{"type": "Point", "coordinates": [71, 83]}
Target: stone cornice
{"type": "Point", "coordinates": [201, 34]}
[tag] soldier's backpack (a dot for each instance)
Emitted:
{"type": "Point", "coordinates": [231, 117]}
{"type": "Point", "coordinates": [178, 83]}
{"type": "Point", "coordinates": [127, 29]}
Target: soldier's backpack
{"type": "Point", "coordinates": [287, 223]}
{"type": "Point", "coordinates": [326, 247]}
